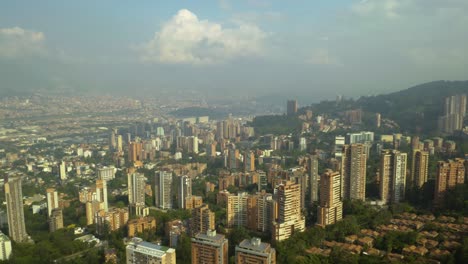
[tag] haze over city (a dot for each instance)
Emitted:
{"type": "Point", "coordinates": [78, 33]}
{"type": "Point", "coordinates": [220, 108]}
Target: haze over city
{"type": "Point", "coordinates": [234, 132]}
{"type": "Point", "coordinates": [316, 49]}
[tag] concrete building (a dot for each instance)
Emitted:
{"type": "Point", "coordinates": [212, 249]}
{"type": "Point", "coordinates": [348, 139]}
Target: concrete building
{"type": "Point", "coordinates": [339, 143]}
{"type": "Point", "coordinates": [291, 107]}
{"type": "Point", "coordinates": [101, 193]}
{"type": "Point", "coordinates": [135, 151]}
{"type": "Point", "coordinates": [140, 225]}
{"type": "Point", "coordinates": [193, 201]}
{"type": "Point", "coordinates": [185, 191]}
{"type": "Point", "coordinates": [210, 248]}
{"type": "Point", "coordinates": [112, 220]}
{"type": "Point", "coordinates": [419, 169]}
{"type": "Point", "coordinates": [255, 251]}
{"type": "Point", "coordinates": [56, 220]}
{"type": "Point", "coordinates": [5, 247]}
{"type": "Point", "coordinates": [392, 176]}
{"type": "Point", "coordinates": [203, 219]}
{"type": "Point", "coordinates": [105, 173]}
{"type": "Point", "coordinates": [142, 252]}
{"type": "Point", "coordinates": [14, 204]}
{"type": "Point", "coordinates": [249, 161]}
{"type": "Point", "coordinates": [287, 214]}
{"type": "Point", "coordinates": [236, 210]}
{"type": "Point", "coordinates": [454, 114]}
{"type": "Point", "coordinates": [353, 172]}
{"type": "Point", "coordinates": [163, 189]}
{"type": "Point", "coordinates": [312, 167]}
{"type": "Point", "coordinates": [449, 174]}
{"type": "Point", "coordinates": [330, 208]}
{"type": "Point", "coordinates": [359, 138]}
{"type": "Point", "coordinates": [52, 200]}
{"type": "Point", "coordinates": [136, 193]}
{"type": "Point", "coordinates": [63, 171]}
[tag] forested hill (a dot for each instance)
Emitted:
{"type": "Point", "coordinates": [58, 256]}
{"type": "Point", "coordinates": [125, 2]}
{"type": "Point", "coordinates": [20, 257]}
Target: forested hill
{"type": "Point", "coordinates": [417, 107]}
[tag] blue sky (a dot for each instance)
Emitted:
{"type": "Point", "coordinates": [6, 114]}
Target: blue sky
{"type": "Point", "coordinates": [308, 48]}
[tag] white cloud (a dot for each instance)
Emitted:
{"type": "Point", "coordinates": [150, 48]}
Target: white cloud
{"type": "Point", "coordinates": [385, 8]}
{"type": "Point", "coordinates": [186, 39]}
{"type": "Point", "coordinates": [16, 41]}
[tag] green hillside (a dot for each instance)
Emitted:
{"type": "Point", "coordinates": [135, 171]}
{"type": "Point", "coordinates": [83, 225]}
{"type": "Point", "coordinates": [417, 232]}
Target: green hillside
{"type": "Point", "coordinates": [416, 109]}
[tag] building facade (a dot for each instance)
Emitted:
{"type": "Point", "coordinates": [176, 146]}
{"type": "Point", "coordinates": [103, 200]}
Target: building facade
{"type": "Point", "coordinates": [255, 251]}
{"type": "Point", "coordinates": [330, 208]}
{"type": "Point", "coordinates": [209, 248]}
{"type": "Point", "coordinates": [142, 252]}
{"type": "Point", "coordinates": [14, 204]}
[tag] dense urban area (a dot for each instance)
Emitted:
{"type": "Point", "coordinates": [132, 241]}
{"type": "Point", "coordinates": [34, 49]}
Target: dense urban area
{"type": "Point", "coordinates": [107, 179]}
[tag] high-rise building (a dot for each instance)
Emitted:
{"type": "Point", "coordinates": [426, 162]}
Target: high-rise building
{"type": "Point", "coordinates": [142, 252]}
{"type": "Point", "coordinates": [454, 114]}
{"type": "Point", "coordinates": [193, 202]}
{"type": "Point", "coordinates": [163, 189]}
{"type": "Point", "coordinates": [288, 218]}
{"type": "Point", "coordinates": [56, 220]}
{"type": "Point", "coordinates": [291, 107]}
{"type": "Point", "coordinates": [255, 251]}
{"type": "Point", "coordinates": [185, 190]}
{"type": "Point", "coordinates": [193, 144]}
{"type": "Point", "coordinates": [377, 120]}
{"type": "Point", "coordinates": [134, 151]}
{"type": "Point", "coordinates": [233, 158]}
{"type": "Point", "coordinates": [14, 204]}
{"type": "Point", "coordinates": [249, 161]}
{"type": "Point", "coordinates": [112, 220]}
{"type": "Point", "coordinates": [63, 171]}
{"type": "Point", "coordinates": [259, 211]}
{"type": "Point", "coordinates": [339, 143]}
{"type": "Point", "coordinates": [101, 193]}
{"type": "Point", "coordinates": [419, 169]}
{"type": "Point", "coordinates": [236, 209]}
{"type": "Point", "coordinates": [105, 173]}
{"type": "Point", "coordinates": [5, 247]}
{"type": "Point", "coordinates": [392, 176]}
{"type": "Point", "coordinates": [119, 143]}
{"type": "Point", "coordinates": [52, 200]}
{"type": "Point", "coordinates": [353, 172]}
{"type": "Point", "coordinates": [140, 225]}
{"type": "Point", "coordinates": [361, 137]}
{"type": "Point", "coordinates": [330, 208]}
{"type": "Point", "coordinates": [209, 248]}
{"type": "Point", "coordinates": [449, 175]}
{"type": "Point", "coordinates": [203, 219]}
{"type": "Point", "coordinates": [136, 189]}
{"type": "Point", "coordinates": [312, 167]}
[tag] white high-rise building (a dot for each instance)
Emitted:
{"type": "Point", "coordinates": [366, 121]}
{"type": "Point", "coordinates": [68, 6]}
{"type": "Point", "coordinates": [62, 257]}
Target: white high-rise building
{"type": "Point", "coordinates": [136, 189]}
{"type": "Point", "coordinates": [185, 190]}
{"type": "Point", "coordinates": [5, 247]}
{"type": "Point", "coordinates": [142, 252]}
{"type": "Point", "coordinates": [63, 170]}
{"type": "Point", "coordinates": [163, 189]}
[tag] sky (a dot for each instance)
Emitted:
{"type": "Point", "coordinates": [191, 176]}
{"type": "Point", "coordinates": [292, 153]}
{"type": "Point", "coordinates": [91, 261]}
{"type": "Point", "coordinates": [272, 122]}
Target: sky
{"type": "Point", "coordinates": [232, 48]}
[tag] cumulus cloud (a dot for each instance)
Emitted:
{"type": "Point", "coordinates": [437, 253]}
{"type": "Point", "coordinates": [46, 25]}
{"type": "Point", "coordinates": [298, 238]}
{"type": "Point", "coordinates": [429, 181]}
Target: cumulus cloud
{"type": "Point", "coordinates": [16, 41]}
{"type": "Point", "coordinates": [187, 39]}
